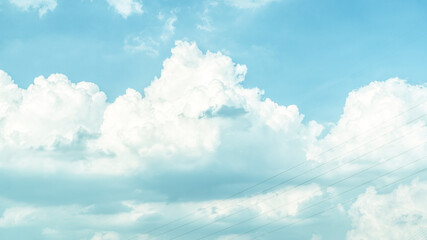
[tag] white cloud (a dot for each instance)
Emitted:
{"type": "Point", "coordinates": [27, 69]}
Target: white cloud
{"type": "Point", "coordinates": [126, 7]}
{"type": "Point", "coordinates": [377, 114]}
{"type": "Point", "coordinates": [249, 4]}
{"type": "Point", "coordinates": [10, 95]}
{"type": "Point", "coordinates": [43, 6]}
{"type": "Point", "coordinates": [17, 216]}
{"type": "Point", "coordinates": [49, 113]}
{"type": "Point", "coordinates": [278, 205]}
{"type": "Point", "coordinates": [197, 105]}
{"type": "Point", "coordinates": [181, 112]}
{"type": "Point", "coordinates": [400, 214]}
{"type": "Point", "coordinates": [196, 113]}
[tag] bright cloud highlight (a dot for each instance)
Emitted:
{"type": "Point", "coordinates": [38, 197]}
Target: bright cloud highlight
{"type": "Point", "coordinates": [400, 214]}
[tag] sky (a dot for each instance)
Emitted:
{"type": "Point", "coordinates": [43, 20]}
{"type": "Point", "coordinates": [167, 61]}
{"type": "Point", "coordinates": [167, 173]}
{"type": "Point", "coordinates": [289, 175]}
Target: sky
{"type": "Point", "coordinates": [213, 119]}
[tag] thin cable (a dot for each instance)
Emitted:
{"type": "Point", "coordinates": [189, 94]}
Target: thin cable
{"type": "Point", "coordinates": [333, 184]}
{"type": "Point", "coordinates": [281, 173]}
{"type": "Point", "coordinates": [281, 183]}
{"type": "Point", "coordinates": [333, 197]}
{"type": "Point", "coordinates": [303, 173]}
{"type": "Point", "coordinates": [328, 209]}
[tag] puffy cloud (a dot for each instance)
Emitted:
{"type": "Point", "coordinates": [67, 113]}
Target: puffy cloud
{"type": "Point", "coordinates": [43, 6]}
{"type": "Point", "coordinates": [401, 214]}
{"type": "Point", "coordinates": [126, 7]}
{"type": "Point", "coordinates": [49, 113]}
{"type": "Point", "coordinates": [249, 4]}
{"type": "Point", "coordinates": [184, 111]}
{"type": "Point", "coordinates": [382, 119]}
{"type": "Point", "coordinates": [196, 112]}
{"type": "Point", "coordinates": [10, 95]}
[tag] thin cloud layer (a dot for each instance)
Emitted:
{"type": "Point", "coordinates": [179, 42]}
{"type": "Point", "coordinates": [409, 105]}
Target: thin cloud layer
{"type": "Point", "coordinates": [126, 7]}
{"type": "Point", "coordinates": [43, 6]}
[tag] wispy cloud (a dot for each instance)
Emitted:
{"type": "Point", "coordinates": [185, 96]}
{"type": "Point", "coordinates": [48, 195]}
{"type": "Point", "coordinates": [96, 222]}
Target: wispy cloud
{"type": "Point", "coordinates": [141, 44]}
{"type": "Point", "coordinates": [43, 6]}
{"type": "Point", "coordinates": [206, 21]}
{"type": "Point", "coordinates": [126, 7]}
{"type": "Point", "coordinates": [150, 44]}
{"type": "Point", "coordinates": [168, 27]}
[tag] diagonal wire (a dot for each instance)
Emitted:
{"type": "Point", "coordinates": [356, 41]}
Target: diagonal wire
{"type": "Point", "coordinates": [333, 197]}
{"type": "Point", "coordinates": [281, 183]}
{"type": "Point", "coordinates": [278, 174]}
{"type": "Point", "coordinates": [328, 209]}
{"type": "Point", "coordinates": [333, 184]}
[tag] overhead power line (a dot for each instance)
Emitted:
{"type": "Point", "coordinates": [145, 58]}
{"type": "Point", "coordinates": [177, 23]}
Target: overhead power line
{"type": "Point", "coordinates": [333, 184]}
{"type": "Point", "coordinates": [335, 206]}
{"type": "Point", "coordinates": [281, 183]}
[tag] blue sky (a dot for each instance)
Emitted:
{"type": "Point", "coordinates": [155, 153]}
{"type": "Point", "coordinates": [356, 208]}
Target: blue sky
{"type": "Point", "coordinates": [294, 50]}
{"type": "Point", "coordinates": [120, 116]}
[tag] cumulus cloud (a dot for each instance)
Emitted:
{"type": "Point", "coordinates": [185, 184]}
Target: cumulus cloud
{"type": "Point", "coordinates": [195, 114]}
{"type": "Point", "coordinates": [187, 113]}
{"type": "Point", "coordinates": [51, 112]}
{"type": "Point", "coordinates": [126, 7]}
{"type": "Point", "coordinates": [198, 115]}
{"type": "Point", "coordinates": [400, 214]}
{"type": "Point", "coordinates": [193, 107]}
{"type": "Point", "coordinates": [43, 6]}
{"type": "Point", "coordinates": [384, 118]}
{"type": "Point", "coordinates": [10, 95]}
